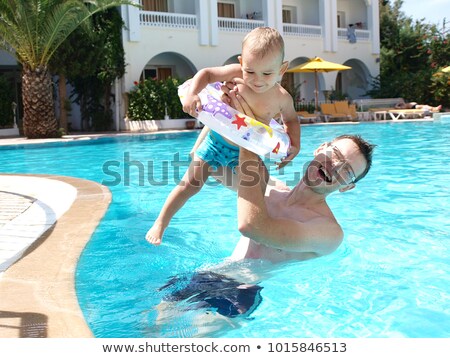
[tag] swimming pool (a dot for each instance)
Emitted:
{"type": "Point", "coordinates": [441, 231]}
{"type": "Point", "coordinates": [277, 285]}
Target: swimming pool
{"type": "Point", "coordinates": [390, 277]}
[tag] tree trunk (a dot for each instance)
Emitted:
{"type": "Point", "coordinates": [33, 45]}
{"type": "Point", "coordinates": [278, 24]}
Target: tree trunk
{"type": "Point", "coordinates": [39, 120]}
{"type": "Point", "coordinates": [62, 89]}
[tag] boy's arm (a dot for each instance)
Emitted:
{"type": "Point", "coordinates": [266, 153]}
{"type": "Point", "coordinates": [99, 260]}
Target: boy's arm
{"type": "Point", "coordinates": [192, 102]}
{"type": "Point", "coordinates": [292, 127]}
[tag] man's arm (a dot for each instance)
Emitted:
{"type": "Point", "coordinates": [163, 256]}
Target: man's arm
{"type": "Point", "coordinates": [202, 78]}
{"type": "Point", "coordinates": [320, 235]}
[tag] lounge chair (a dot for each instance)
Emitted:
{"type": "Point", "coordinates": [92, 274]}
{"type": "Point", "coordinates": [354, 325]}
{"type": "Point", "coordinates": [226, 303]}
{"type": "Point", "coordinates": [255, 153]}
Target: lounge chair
{"type": "Point", "coordinates": [397, 114]}
{"type": "Point", "coordinates": [330, 113]}
{"type": "Point", "coordinates": [306, 117]}
{"type": "Point", "coordinates": [347, 109]}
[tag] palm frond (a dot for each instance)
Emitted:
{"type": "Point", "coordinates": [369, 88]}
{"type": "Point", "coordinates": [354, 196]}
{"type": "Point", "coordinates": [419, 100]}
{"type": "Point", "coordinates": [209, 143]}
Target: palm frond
{"type": "Point", "coordinates": [32, 30]}
{"type": "Point", "coordinates": [74, 17]}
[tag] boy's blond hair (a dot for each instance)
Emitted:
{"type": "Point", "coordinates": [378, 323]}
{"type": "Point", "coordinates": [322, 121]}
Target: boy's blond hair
{"type": "Point", "coordinates": [264, 40]}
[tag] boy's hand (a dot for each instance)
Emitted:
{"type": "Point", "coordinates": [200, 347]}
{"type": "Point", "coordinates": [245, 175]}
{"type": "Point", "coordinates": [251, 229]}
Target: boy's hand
{"type": "Point", "coordinates": [293, 151]}
{"type": "Point", "coordinates": [192, 105]}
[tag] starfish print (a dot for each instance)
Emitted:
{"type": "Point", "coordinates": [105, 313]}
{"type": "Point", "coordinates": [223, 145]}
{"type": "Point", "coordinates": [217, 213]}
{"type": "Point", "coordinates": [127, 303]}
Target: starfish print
{"type": "Point", "coordinates": [276, 149]}
{"type": "Point", "coordinates": [240, 122]}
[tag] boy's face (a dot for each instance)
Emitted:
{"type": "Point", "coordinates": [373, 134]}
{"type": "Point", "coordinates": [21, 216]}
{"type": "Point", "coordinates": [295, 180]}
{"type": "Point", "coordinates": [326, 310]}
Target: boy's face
{"type": "Point", "coordinates": [261, 74]}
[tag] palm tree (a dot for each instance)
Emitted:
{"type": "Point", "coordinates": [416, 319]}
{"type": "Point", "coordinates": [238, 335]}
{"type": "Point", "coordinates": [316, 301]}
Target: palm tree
{"type": "Point", "coordinates": [32, 30]}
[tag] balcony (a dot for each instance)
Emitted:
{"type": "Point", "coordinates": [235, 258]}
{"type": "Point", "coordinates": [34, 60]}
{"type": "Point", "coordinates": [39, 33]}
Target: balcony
{"type": "Point", "coordinates": [238, 25]}
{"type": "Point", "coordinates": [168, 20]}
{"type": "Point", "coordinates": [189, 21]}
{"type": "Point", "coordinates": [361, 35]}
{"type": "Point", "coordinates": [302, 30]}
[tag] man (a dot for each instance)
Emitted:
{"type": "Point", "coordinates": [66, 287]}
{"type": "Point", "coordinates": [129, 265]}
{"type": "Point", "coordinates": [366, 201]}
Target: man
{"type": "Point", "coordinates": [280, 224]}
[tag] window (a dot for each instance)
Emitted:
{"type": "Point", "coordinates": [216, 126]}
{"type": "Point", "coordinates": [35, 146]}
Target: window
{"type": "Point", "coordinates": [157, 73]}
{"type": "Point", "coordinates": [154, 5]}
{"type": "Point", "coordinates": [287, 17]}
{"type": "Point", "coordinates": [341, 19]}
{"type": "Point", "coordinates": [164, 73]}
{"type": "Point", "coordinates": [225, 9]}
{"type": "Point", "coordinates": [150, 73]}
{"type": "Point", "coordinates": [289, 14]}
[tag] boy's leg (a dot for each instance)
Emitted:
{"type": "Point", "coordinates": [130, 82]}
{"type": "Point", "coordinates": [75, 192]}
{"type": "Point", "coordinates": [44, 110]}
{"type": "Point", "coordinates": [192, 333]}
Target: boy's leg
{"type": "Point", "coordinates": [226, 177]}
{"type": "Point", "coordinates": [191, 183]}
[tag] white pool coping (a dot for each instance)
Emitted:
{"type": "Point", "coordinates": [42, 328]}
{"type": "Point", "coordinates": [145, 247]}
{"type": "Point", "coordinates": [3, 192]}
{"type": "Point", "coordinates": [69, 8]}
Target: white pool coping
{"type": "Point", "coordinates": [48, 206]}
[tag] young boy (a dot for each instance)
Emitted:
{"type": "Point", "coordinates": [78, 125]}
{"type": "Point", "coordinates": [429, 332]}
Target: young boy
{"type": "Point", "coordinates": [261, 66]}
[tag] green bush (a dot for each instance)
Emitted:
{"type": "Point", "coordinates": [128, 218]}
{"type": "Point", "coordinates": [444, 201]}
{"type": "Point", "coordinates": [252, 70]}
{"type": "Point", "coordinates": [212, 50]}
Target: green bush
{"type": "Point", "coordinates": [440, 84]}
{"type": "Point", "coordinates": [6, 100]}
{"type": "Point", "coordinates": [150, 98]}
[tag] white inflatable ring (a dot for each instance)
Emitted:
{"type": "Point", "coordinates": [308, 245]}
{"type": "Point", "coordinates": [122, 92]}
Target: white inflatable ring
{"type": "Point", "coordinates": [247, 132]}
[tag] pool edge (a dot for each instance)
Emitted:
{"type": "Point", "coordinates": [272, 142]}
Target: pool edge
{"type": "Point", "coordinates": [38, 291]}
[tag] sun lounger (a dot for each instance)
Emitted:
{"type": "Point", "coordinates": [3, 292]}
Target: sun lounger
{"type": "Point", "coordinates": [396, 114]}
{"type": "Point", "coordinates": [306, 117]}
{"type": "Point", "coordinates": [348, 109]}
{"type": "Point", "coordinates": [330, 113]}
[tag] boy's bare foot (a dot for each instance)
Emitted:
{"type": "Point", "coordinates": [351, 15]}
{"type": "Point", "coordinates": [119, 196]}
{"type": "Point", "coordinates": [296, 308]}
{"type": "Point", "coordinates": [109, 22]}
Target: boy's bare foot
{"type": "Point", "coordinates": [155, 234]}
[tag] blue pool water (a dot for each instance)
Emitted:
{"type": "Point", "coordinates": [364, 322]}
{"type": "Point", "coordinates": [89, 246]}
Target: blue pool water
{"type": "Point", "coordinates": [390, 277]}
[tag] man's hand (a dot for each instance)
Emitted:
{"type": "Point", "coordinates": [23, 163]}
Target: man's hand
{"type": "Point", "coordinates": [226, 88]}
{"type": "Point", "coordinates": [230, 87]}
{"type": "Point", "coordinates": [192, 105]}
{"type": "Point", "coordinates": [238, 102]}
{"type": "Point", "coordinates": [293, 151]}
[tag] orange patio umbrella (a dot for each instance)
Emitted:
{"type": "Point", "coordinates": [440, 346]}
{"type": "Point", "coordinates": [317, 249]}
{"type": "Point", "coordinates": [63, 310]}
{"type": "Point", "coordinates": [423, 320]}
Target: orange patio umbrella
{"type": "Point", "coordinates": [316, 65]}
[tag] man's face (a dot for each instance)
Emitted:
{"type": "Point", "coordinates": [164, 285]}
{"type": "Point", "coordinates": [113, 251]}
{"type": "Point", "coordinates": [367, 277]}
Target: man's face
{"type": "Point", "coordinates": [335, 166]}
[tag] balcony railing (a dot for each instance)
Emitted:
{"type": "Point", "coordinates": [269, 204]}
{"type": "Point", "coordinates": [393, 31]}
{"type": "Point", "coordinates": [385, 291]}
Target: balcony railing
{"type": "Point", "coordinates": [238, 25]}
{"type": "Point", "coordinates": [188, 21]}
{"type": "Point", "coordinates": [361, 35]}
{"type": "Point", "coordinates": [302, 30]}
{"type": "Point", "coordinates": [166, 19]}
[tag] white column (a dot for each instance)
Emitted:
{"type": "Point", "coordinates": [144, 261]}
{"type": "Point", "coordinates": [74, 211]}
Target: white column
{"type": "Point", "coordinates": [213, 20]}
{"type": "Point", "coordinates": [134, 25]}
{"type": "Point", "coordinates": [333, 27]}
{"type": "Point", "coordinates": [373, 24]}
{"type": "Point", "coordinates": [269, 13]}
{"type": "Point", "coordinates": [279, 16]}
{"type": "Point", "coordinates": [202, 11]}
{"type": "Point", "coordinates": [325, 21]}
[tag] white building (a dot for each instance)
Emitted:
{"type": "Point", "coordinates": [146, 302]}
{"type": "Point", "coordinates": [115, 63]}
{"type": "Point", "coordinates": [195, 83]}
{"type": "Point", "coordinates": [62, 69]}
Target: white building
{"type": "Point", "coordinates": [178, 37]}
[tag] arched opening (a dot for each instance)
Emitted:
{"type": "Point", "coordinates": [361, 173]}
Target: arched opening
{"type": "Point", "coordinates": [168, 64]}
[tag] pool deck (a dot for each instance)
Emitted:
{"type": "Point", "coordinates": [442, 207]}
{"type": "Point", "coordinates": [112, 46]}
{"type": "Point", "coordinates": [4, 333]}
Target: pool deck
{"type": "Point", "coordinates": [45, 222]}
{"type": "Point", "coordinates": [46, 219]}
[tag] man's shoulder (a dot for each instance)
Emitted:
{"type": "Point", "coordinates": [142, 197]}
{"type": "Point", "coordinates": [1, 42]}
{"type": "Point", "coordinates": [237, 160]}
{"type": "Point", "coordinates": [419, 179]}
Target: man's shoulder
{"type": "Point", "coordinates": [327, 232]}
{"type": "Point", "coordinates": [323, 223]}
